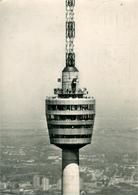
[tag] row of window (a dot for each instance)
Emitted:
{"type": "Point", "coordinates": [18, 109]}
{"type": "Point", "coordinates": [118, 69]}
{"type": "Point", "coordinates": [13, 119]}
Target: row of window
{"type": "Point", "coordinates": [70, 117]}
{"type": "Point", "coordinates": [70, 126]}
{"type": "Point", "coordinates": [71, 136]}
{"type": "Point", "coordinates": [71, 107]}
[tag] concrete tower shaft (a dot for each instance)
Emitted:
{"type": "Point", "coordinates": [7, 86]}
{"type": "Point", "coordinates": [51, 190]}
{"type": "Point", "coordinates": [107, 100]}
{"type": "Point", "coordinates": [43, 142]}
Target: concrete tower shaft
{"type": "Point", "coordinates": [70, 172]}
{"type": "Point", "coordinates": [70, 113]}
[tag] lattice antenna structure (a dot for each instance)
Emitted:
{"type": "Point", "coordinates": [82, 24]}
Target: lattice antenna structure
{"type": "Point", "coordinates": [70, 33]}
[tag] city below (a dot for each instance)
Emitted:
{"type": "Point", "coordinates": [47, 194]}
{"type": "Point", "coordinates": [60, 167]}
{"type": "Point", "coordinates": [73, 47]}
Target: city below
{"type": "Point", "coordinates": [29, 165]}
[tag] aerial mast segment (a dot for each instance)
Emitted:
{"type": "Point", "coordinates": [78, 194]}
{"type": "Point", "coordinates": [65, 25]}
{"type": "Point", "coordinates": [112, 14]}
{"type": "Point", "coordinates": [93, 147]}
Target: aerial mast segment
{"type": "Point", "coordinates": [70, 33]}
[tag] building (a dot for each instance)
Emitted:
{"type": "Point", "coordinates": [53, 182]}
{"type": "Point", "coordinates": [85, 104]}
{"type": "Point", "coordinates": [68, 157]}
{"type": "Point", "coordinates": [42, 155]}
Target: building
{"type": "Point", "coordinates": [36, 182]}
{"type": "Point", "coordinates": [59, 184]}
{"type": "Point", "coordinates": [3, 185]}
{"type": "Point", "coordinates": [70, 113]}
{"type": "Point", "coordinates": [45, 184]}
{"type": "Point", "coordinates": [81, 184]}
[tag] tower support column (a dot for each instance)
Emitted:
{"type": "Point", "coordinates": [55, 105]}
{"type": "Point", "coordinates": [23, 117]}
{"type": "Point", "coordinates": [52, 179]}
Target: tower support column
{"type": "Point", "coordinates": [70, 172]}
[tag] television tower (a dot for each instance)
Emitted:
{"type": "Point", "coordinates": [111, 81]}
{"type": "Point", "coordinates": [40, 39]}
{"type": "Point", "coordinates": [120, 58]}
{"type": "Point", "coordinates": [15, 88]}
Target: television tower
{"type": "Point", "coordinates": [70, 113]}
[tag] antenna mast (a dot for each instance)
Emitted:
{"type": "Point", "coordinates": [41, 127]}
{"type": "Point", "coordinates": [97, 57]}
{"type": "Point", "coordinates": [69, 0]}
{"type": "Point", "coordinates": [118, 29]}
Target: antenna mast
{"type": "Point", "coordinates": [70, 33]}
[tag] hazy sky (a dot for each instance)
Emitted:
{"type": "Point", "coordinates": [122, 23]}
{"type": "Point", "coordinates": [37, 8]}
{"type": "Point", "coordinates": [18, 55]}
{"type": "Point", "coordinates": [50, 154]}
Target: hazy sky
{"type": "Point", "coordinates": [32, 45]}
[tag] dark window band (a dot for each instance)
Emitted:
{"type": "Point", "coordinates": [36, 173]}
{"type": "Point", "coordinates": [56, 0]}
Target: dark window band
{"type": "Point", "coordinates": [71, 107]}
{"type": "Point", "coordinates": [70, 117]}
{"type": "Point", "coordinates": [71, 136]}
{"type": "Point", "coordinates": [69, 126]}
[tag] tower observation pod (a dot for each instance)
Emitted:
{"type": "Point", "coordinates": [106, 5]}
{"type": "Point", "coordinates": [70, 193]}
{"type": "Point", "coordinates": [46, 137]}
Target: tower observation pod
{"type": "Point", "coordinates": [70, 113]}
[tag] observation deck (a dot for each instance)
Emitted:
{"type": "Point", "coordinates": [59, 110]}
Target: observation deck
{"type": "Point", "coordinates": [70, 120]}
